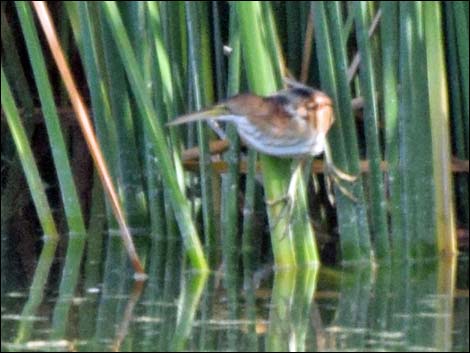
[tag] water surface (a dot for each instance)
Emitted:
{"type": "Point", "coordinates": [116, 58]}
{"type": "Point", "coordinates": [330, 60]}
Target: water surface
{"type": "Point", "coordinates": [417, 307]}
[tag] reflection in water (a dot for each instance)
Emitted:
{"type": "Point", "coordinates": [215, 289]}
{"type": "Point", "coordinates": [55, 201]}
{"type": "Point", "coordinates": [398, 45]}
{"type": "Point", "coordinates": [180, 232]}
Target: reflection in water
{"type": "Point", "coordinates": [414, 307]}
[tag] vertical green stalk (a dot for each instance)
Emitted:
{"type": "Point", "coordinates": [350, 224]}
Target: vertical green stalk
{"type": "Point", "coordinates": [204, 50]}
{"type": "Point", "coordinates": [294, 32]}
{"type": "Point", "coordinates": [347, 217]}
{"type": "Point", "coordinates": [51, 236]}
{"type": "Point", "coordinates": [114, 93]}
{"type": "Point", "coordinates": [104, 125]}
{"type": "Point", "coordinates": [178, 200]}
{"type": "Point", "coordinates": [168, 32]}
{"type": "Point", "coordinates": [415, 137]}
{"type": "Point", "coordinates": [70, 199]}
{"type": "Point", "coordinates": [459, 131]}
{"type": "Point", "coordinates": [405, 140]}
{"type": "Point", "coordinates": [230, 185]}
{"type": "Point", "coordinates": [346, 122]}
{"type": "Point", "coordinates": [176, 39]}
{"type": "Point", "coordinates": [389, 41]}
{"type": "Point", "coordinates": [461, 25]}
{"type": "Point", "coordinates": [29, 165]}
{"type": "Point", "coordinates": [378, 207]}
{"type": "Point", "coordinates": [148, 178]}
{"type": "Point", "coordinates": [439, 114]}
{"type": "Point", "coordinates": [220, 78]}
{"type": "Point", "coordinates": [167, 21]}
{"type": "Point", "coordinates": [424, 244]}
{"type": "Point", "coordinates": [92, 37]}
{"type": "Point", "coordinates": [202, 95]}
{"type": "Point", "coordinates": [59, 150]}
{"type": "Point", "coordinates": [261, 77]}
{"type": "Point", "coordinates": [273, 43]}
{"type": "Point", "coordinates": [305, 246]}
{"type": "Point", "coordinates": [10, 60]}
{"type": "Point", "coordinates": [249, 238]}
{"type": "Point", "coordinates": [88, 31]}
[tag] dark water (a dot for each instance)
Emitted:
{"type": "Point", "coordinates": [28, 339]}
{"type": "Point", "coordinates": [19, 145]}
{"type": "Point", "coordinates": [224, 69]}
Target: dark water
{"type": "Point", "coordinates": [418, 307]}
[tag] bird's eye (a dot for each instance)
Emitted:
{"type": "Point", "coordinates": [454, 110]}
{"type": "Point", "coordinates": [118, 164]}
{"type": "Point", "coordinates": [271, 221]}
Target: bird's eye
{"type": "Point", "coordinates": [311, 107]}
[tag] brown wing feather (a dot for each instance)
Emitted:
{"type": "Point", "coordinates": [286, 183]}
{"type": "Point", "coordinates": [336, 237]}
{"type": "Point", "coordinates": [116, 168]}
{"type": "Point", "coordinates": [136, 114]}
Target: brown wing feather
{"type": "Point", "coordinates": [268, 113]}
{"type": "Point", "coordinates": [265, 112]}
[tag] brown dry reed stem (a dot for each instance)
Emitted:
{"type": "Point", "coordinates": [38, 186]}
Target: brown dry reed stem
{"type": "Point", "coordinates": [87, 129]}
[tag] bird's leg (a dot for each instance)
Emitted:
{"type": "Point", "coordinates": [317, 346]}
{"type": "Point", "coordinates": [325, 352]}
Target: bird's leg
{"type": "Point", "coordinates": [289, 197]}
{"type": "Point", "coordinates": [332, 173]}
{"type": "Point", "coordinates": [332, 176]}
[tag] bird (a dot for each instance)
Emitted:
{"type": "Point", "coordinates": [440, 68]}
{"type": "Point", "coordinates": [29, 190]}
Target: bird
{"type": "Point", "coordinates": [291, 123]}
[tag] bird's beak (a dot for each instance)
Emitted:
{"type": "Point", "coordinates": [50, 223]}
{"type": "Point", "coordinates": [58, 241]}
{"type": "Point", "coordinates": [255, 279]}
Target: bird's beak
{"type": "Point", "coordinates": [325, 115]}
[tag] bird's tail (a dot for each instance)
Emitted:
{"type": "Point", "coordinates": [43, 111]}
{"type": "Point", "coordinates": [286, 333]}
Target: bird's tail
{"type": "Point", "coordinates": [212, 113]}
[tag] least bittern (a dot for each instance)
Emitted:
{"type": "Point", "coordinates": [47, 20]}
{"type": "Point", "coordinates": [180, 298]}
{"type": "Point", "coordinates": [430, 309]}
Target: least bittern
{"type": "Point", "coordinates": [290, 123]}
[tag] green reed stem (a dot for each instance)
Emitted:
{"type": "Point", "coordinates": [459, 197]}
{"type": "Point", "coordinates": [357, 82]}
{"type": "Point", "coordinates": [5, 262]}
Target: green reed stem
{"type": "Point", "coordinates": [368, 86]}
{"type": "Point", "coordinates": [461, 24]}
{"type": "Point", "coordinates": [121, 115]}
{"type": "Point", "coordinates": [70, 199]}
{"type": "Point", "coordinates": [27, 160]}
{"type": "Point", "coordinates": [10, 60]}
{"type": "Point", "coordinates": [346, 122]}
{"type": "Point", "coordinates": [405, 79]}
{"type": "Point", "coordinates": [51, 236]}
{"type": "Point", "coordinates": [440, 125]}
{"type": "Point", "coordinates": [260, 73]}
{"type": "Point", "coordinates": [415, 139]}
{"type": "Point", "coordinates": [389, 40]}
{"type": "Point", "coordinates": [459, 118]}
{"type": "Point", "coordinates": [231, 181]}
{"type": "Point", "coordinates": [201, 80]}
{"type": "Point", "coordinates": [349, 231]}
{"type": "Point", "coordinates": [179, 202]}
{"type": "Point", "coordinates": [424, 241]}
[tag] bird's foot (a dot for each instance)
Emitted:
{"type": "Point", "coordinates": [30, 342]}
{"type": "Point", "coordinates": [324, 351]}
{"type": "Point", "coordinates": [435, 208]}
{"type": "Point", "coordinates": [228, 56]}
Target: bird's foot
{"type": "Point", "coordinates": [337, 176]}
{"type": "Point", "coordinates": [285, 213]}
{"type": "Point", "coordinates": [288, 199]}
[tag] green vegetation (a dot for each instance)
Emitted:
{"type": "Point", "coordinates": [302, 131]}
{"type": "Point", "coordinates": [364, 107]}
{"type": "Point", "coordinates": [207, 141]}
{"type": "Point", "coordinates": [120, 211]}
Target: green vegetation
{"type": "Point", "coordinates": [397, 72]}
